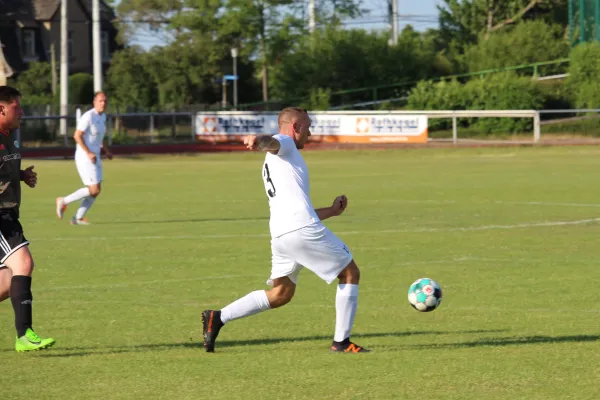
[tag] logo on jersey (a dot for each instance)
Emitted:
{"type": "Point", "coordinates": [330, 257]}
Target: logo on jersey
{"type": "Point", "coordinates": [15, 156]}
{"type": "Point", "coordinates": [16, 144]}
{"type": "Point", "coordinates": [2, 147]}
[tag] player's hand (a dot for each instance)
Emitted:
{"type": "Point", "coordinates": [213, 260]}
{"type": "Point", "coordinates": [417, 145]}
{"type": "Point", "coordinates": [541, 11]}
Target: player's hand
{"type": "Point", "coordinates": [92, 157]}
{"type": "Point", "coordinates": [30, 177]}
{"type": "Point", "coordinates": [250, 142]}
{"type": "Point", "coordinates": [109, 154]}
{"type": "Point", "coordinates": [339, 205]}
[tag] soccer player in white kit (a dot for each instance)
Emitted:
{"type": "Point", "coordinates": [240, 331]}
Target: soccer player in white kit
{"type": "Point", "coordinates": [298, 237]}
{"type": "Point", "coordinates": [89, 136]}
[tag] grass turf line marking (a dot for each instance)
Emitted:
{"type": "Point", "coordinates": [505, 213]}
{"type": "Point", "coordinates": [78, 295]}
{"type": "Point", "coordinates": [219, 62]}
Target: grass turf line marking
{"type": "Point", "coordinates": [260, 235]}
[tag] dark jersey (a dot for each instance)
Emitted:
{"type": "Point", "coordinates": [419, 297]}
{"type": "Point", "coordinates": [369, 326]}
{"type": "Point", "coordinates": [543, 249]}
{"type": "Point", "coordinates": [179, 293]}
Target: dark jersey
{"type": "Point", "coordinates": [10, 175]}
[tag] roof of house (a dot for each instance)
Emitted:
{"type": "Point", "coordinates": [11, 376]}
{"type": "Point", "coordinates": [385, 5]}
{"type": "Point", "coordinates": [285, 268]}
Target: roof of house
{"type": "Point", "coordinates": [45, 9]}
{"type": "Point", "coordinates": [13, 9]}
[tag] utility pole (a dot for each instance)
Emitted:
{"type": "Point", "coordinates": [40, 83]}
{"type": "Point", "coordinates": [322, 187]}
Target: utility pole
{"type": "Point", "coordinates": [96, 45]}
{"type": "Point", "coordinates": [393, 17]}
{"type": "Point", "coordinates": [64, 70]}
{"type": "Point", "coordinates": [311, 16]}
{"type": "Point", "coordinates": [234, 54]}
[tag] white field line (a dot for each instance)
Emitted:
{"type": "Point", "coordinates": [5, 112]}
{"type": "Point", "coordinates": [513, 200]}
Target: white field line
{"type": "Point", "coordinates": [475, 309]}
{"type": "Point", "coordinates": [541, 224]}
{"type": "Point", "coordinates": [151, 282]}
{"type": "Point", "coordinates": [544, 203]}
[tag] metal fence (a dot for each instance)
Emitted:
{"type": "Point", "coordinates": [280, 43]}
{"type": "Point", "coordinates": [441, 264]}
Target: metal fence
{"type": "Point", "coordinates": [125, 128]}
{"type": "Point", "coordinates": [444, 126]}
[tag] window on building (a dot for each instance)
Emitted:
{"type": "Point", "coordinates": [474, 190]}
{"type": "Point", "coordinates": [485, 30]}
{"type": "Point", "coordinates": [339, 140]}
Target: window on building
{"type": "Point", "coordinates": [29, 52]}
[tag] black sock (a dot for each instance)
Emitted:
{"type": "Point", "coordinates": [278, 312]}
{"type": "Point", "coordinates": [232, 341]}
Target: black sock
{"type": "Point", "coordinates": [345, 341]}
{"type": "Point", "coordinates": [21, 298]}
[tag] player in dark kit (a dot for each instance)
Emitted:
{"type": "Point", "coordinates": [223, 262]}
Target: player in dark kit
{"type": "Point", "coordinates": [16, 263]}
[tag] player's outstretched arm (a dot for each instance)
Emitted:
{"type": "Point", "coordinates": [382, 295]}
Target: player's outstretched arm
{"type": "Point", "coordinates": [337, 208]}
{"type": "Point", "coordinates": [263, 143]}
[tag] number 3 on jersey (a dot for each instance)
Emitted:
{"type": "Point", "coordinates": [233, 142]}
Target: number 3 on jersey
{"type": "Point", "coordinates": [269, 186]}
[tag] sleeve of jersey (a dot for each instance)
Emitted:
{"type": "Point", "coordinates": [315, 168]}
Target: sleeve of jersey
{"type": "Point", "coordinates": [84, 123]}
{"type": "Point", "coordinates": [286, 145]}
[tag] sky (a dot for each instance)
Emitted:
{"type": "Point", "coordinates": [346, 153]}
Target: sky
{"type": "Point", "coordinates": [421, 14]}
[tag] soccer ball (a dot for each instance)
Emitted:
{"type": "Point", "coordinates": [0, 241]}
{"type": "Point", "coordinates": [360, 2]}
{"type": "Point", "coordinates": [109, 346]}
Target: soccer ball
{"type": "Point", "coordinates": [425, 295]}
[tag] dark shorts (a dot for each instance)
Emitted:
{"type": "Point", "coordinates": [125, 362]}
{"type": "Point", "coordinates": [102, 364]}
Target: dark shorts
{"type": "Point", "coordinates": [11, 236]}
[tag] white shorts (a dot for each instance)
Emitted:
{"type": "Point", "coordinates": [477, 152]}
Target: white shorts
{"type": "Point", "coordinates": [314, 247]}
{"type": "Point", "coordinates": [89, 173]}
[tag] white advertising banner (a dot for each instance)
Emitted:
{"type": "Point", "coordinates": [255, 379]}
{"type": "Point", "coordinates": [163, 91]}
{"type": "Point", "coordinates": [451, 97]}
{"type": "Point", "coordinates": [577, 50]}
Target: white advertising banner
{"type": "Point", "coordinates": [325, 127]}
{"type": "Point", "coordinates": [235, 123]}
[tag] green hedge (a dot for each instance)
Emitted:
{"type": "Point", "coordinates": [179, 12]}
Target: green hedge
{"type": "Point", "coordinates": [584, 75]}
{"type": "Point", "coordinates": [494, 92]}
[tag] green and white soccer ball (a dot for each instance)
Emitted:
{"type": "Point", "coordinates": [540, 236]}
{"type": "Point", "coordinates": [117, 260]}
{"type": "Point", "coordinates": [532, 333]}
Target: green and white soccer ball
{"type": "Point", "coordinates": [425, 295]}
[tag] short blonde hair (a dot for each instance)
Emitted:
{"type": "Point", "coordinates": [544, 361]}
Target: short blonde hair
{"type": "Point", "coordinates": [288, 114]}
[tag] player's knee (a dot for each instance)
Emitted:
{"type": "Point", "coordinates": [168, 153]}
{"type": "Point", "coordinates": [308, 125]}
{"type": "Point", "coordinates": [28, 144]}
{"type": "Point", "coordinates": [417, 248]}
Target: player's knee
{"type": "Point", "coordinates": [350, 274]}
{"type": "Point", "coordinates": [95, 190]}
{"type": "Point", "coordinates": [21, 263]}
{"type": "Point", "coordinates": [280, 295]}
{"type": "Point", "coordinates": [5, 278]}
{"type": "Point", "coordinates": [27, 265]}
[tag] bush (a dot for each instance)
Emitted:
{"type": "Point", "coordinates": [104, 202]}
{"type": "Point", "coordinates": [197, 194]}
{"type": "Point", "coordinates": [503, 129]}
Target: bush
{"type": "Point", "coordinates": [81, 88]}
{"type": "Point", "coordinates": [319, 100]}
{"type": "Point", "coordinates": [494, 92]}
{"type": "Point", "coordinates": [584, 71]}
{"type": "Point", "coordinates": [444, 95]}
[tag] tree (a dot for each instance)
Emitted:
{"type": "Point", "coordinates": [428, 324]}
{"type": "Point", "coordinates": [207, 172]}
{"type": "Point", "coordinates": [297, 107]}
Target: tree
{"type": "Point", "coordinates": [263, 30]}
{"type": "Point", "coordinates": [35, 84]}
{"type": "Point", "coordinates": [339, 59]}
{"type": "Point", "coordinates": [129, 81]}
{"type": "Point", "coordinates": [525, 43]}
{"type": "Point", "coordinates": [463, 21]}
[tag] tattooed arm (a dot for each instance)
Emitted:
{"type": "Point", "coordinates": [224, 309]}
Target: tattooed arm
{"type": "Point", "coordinates": [263, 143]}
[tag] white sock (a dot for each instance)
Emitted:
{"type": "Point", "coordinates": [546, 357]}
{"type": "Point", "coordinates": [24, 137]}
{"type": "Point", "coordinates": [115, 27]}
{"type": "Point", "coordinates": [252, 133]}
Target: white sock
{"type": "Point", "coordinates": [86, 204]}
{"type": "Point", "coordinates": [77, 195]}
{"type": "Point", "coordinates": [346, 301]}
{"type": "Point", "coordinates": [250, 304]}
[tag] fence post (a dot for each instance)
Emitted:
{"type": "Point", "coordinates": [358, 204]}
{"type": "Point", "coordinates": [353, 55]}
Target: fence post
{"type": "Point", "coordinates": [536, 127]}
{"type": "Point", "coordinates": [174, 125]}
{"type": "Point", "coordinates": [193, 119]}
{"type": "Point", "coordinates": [454, 129]}
{"type": "Point", "coordinates": [66, 132]}
{"type": "Point", "coordinates": [152, 138]}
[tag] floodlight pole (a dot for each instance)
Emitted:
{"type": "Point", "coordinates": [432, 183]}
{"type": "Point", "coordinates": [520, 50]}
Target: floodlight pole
{"type": "Point", "coordinates": [234, 54]}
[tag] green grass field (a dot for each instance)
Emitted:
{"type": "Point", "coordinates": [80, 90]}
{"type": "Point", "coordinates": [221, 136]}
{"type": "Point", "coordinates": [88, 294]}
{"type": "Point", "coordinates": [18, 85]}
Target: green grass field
{"type": "Point", "coordinates": [512, 236]}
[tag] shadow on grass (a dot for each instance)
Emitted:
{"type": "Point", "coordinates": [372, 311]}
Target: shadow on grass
{"type": "Point", "coordinates": [510, 341]}
{"type": "Point", "coordinates": [172, 221]}
{"type": "Point", "coordinates": [98, 350]}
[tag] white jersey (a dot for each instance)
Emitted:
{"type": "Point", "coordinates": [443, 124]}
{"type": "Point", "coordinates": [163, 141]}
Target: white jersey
{"type": "Point", "coordinates": [93, 126]}
{"type": "Point", "coordinates": [285, 176]}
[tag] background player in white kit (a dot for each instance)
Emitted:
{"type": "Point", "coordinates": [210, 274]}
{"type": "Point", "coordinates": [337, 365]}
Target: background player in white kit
{"type": "Point", "coordinates": [298, 238]}
{"type": "Point", "coordinates": [89, 136]}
